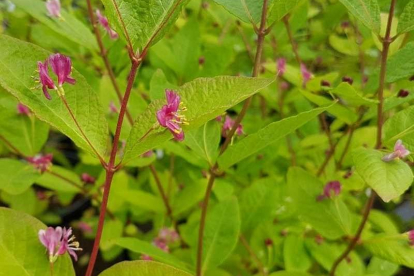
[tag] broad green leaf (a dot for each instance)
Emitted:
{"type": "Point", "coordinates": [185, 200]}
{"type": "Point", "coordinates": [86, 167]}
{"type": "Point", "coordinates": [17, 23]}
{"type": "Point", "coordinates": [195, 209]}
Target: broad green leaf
{"type": "Point", "coordinates": [221, 233]}
{"type": "Point", "coordinates": [388, 179]}
{"type": "Point", "coordinates": [158, 85]}
{"type": "Point", "coordinates": [26, 202]}
{"type": "Point", "coordinates": [245, 10]}
{"type": "Point", "coordinates": [144, 23]}
{"type": "Point", "coordinates": [113, 230]}
{"type": "Point", "coordinates": [18, 63]}
{"type": "Point", "coordinates": [383, 222]}
{"type": "Point", "coordinates": [68, 25]}
{"type": "Point", "coordinates": [344, 45]}
{"type": "Point", "coordinates": [330, 217]}
{"type": "Point", "coordinates": [205, 140]}
{"type": "Point", "coordinates": [16, 176]}
{"type": "Point", "coordinates": [401, 64]}
{"type": "Point", "coordinates": [367, 11]}
{"type": "Point", "coordinates": [188, 197]}
{"type": "Point", "coordinates": [282, 8]}
{"type": "Point", "coordinates": [143, 247]}
{"type": "Point", "coordinates": [400, 126]}
{"type": "Point", "coordinates": [205, 99]}
{"type": "Point", "coordinates": [265, 137]}
{"type": "Point", "coordinates": [378, 266]}
{"type": "Point", "coordinates": [25, 133]}
{"type": "Point", "coordinates": [60, 179]}
{"type": "Point", "coordinates": [393, 248]}
{"type": "Point", "coordinates": [257, 203]}
{"type": "Point", "coordinates": [351, 96]}
{"type": "Point", "coordinates": [294, 254]}
{"type": "Point", "coordinates": [143, 268]}
{"type": "Point", "coordinates": [406, 19]}
{"type": "Point", "coordinates": [22, 254]}
{"type": "Point", "coordinates": [341, 112]}
{"type": "Point", "coordinates": [289, 273]}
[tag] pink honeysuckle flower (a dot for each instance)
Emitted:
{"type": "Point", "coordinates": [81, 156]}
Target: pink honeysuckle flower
{"type": "Point", "coordinates": [105, 24]}
{"type": "Point", "coordinates": [306, 75]}
{"type": "Point", "coordinates": [87, 178]}
{"type": "Point", "coordinates": [53, 7]}
{"type": "Point", "coordinates": [400, 152]}
{"type": "Point", "coordinates": [331, 189]}
{"type": "Point", "coordinates": [161, 244]}
{"type": "Point", "coordinates": [22, 109]}
{"type": "Point", "coordinates": [62, 67]}
{"type": "Point", "coordinates": [44, 79]}
{"type": "Point", "coordinates": [169, 116]}
{"type": "Point", "coordinates": [168, 235]}
{"type": "Point", "coordinates": [281, 66]}
{"type": "Point", "coordinates": [41, 162]}
{"type": "Point", "coordinates": [58, 241]}
{"type": "Point", "coordinates": [228, 125]}
{"type": "Point", "coordinates": [411, 237]}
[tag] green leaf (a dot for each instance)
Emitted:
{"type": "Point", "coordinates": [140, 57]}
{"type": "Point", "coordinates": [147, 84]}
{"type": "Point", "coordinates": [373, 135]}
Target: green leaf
{"type": "Point", "coordinates": [60, 179]}
{"type": "Point", "coordinates": [144, 23]}
{"type": "Point", "coordinates": [401, 64]}
{"type": "Point", "coordinates": [388, 179]}
{"type": "Point", "coordinates": [406, 20]}
{"type": "Point", "coordinates": [143, 268]}
{"type": "Point", "coordinates": [221, 233]}
{"type": "Point", "coordinates": [330, 217]}
{"type": "Point", "coordinates": [245, 10]}
{"type": "Point", "coordinates": [294, 254]}
{"type": "Point", "coordinates": [289, 273]}
{"type": "Point", "coordinates": [188, 197]}
{"type": "Point", "coordinates": [143, 247]}
{"type": "Point", "coordinates": [367, 11]}
{"type": "Point", "coordinates": [16, 176]}
{"type": "Point", "coordinates": [205, 140]}
{"type": "Point", "coordinates": [378, 266]}
{"type": "Point", "coordinates": [282, 8]}
{"type": "Point", "coordinates": [257, 203]}
{"type": "Point", "coordinates": [265, 137]}
{"type": "Point", "coordinates": [399, 126]}
{"type": "Point", "coordinates": [393, 248]}
{"type": "Point", "coordinates": [18, 63]}
{"type": "Point", "coordinates": [351, 96]}
{"type": "Point", "coordinates": [22, 254]}
{"type": "Point", "coordinates": [68, 25]}
{"type": "Point", "coordinates": [344, 45]}
{"type": "Point", "coordinates": [205, 99]}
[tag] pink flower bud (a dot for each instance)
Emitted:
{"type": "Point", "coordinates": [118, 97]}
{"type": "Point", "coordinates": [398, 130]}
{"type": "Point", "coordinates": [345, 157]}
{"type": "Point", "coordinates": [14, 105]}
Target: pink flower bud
{"type": "Point", "coordinates": [22, 109]}
{"type": "Point", "coordinates": [41, 162]}
{"type": "Point", "coordinates": [105, 24]}
{"type": "Point", "coordinates": [400, 152]}
{"type": "Point", "coordinates": [281, 66]}
{"type": "Point", "coordinates": [53, 7]}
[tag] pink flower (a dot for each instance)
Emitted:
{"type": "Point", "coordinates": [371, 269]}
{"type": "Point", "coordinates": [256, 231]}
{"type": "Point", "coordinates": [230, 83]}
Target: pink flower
{"type": "Point", "coordinates": [53, 7]}
{"type": "Point", "coordinates": [85, 227]}
{"type": "Point", "coordinates": [62, 67]}
{"type": "Point", "coordinates": [44, 78]}
{"type": "Point", "coordinates": [306, 75]}
{"type": "Point", "coordinates": [148, 154]}
{"type": "Point", "coordinates": [88, 179]}
{"type": "Point", "coordinates": [411, 237]}
{"type": "Point", "coordinates": [169, 116]}
{"type": "Point", "coordinates": [105, 24]}
{"type": "Point", "coordinates": [146, 257]}
{"type": "Point", "coordinates": [58, 241]}
{"type": "Point", "coordinates": [281, 66]}
{"type": "Point", "coordinates": [22, 109]}
{"type": "Point", "coordinates": [112, 108]}
{"type": "Point", "coordinates": [331, 189]}
{"type": "Point", "coordinates": [161, 244]}
{"type": "Point", "coordinates": [399, 152]}
{"type": "Point", "coordinates": [228, 125]}
{"type": "Point", "coordinates": [168, 235]}
{"type": "Point", "coordinates": [41, 162]}
{"type": "Point", "coordinates": [283, 86]}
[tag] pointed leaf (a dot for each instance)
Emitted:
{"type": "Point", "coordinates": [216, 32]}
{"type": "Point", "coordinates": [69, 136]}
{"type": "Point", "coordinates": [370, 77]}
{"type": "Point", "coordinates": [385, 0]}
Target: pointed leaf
{"type": "Point", "coordinates": [406, 20]}
{"type": "Point", "coordinates": [16, 176]}
{"type": "Point", "coordinates": [400, 126]}
{"type": "Point", "coordinates": [367, 11]}
{"type": "Point", "coordinates": [143, 268]}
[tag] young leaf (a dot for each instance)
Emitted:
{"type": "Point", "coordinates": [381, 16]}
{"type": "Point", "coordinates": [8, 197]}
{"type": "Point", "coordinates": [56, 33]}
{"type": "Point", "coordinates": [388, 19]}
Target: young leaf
{"type": "Point", "coordinates": [406, 20]}
{"type": "Point", "coordinates": [245, 10]}
{"type": "Point", "coordinates": [330, 217]}
{"type": "Point", "coordinates": [294, 254]}
{"type": "Point", "coordinates": [400, 126]}
{"type": "Point", "coordinates": [367, 11]}
{"type": "Point", "coordinates": [22, 254]}
{"type": "Point", "coordinates": [388, 179]}
{"type": "Point", "coordinates": [68, 25]}
{"type": "Point", "coordinates": [143, 247]}
{"type": "Point", "coordinates": [205, 99]}
{"type": "Point", "coordinates": [392, 248]}
{"type": "Point", "coordinates": [266, 136]}
{"type": "Point", "coordinates": [289, 273]}
{"type": "Point", "coordinates": [60, 179]}
{"type": "Point", "coordinates": [351, 96]}
{"type": "Point", "coordinates": [18, 63]}
{"type": "Point", "coordinates": [143, 268]}
{"type": "Point", "coordinates": [221, 233]}
{"type": "Point", "coordinates": [143, 23]}
{"type": "Point", "coordinates": [282, 8]}
{"type": "Point", "coordinates": [16, 176]}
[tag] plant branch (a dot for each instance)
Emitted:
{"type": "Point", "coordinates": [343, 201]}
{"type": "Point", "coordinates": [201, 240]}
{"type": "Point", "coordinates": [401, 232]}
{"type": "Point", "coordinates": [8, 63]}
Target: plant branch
{"type": "Point", "coordinates": [81, 131]}
{"type": "Point", "coordinates": [291, 39]}
{"type": "Point", "coordinates": [384, 55]}
{"type": "Point", "coordinates": [162, 192]}
{"type": "Point", "coordinates": [261, 33]}
{"type": "Point", "coordinates": [252, 254]}
{"type": "Point", "coordinates": [104, 55]}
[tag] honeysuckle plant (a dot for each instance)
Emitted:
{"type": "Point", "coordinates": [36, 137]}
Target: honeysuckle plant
{"type": "Point", "coordinates": [206, 137]}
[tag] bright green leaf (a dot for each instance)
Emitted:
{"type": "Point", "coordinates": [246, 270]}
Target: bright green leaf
{"type": "Point", "coordinates": [245, 10]}
{"type": "Point", "coordinates": [143, 268]}
{"type": "Point", "coordinates": [399, 126]}
{"type": "Point", "coordinates": [351, 96]}
{"type": "Point", "coordinates": [406, 20]}
{"type": "Point", "coordinates": [367, 11]}
{"type": "Point", "coordinates": [388, 179]}
{"type": "Point", "coordinates": [16, 176]}
{"type": "Point", "coordinates": [282, 8]}
{"type": "Point", "coordinates": [294, 254]}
